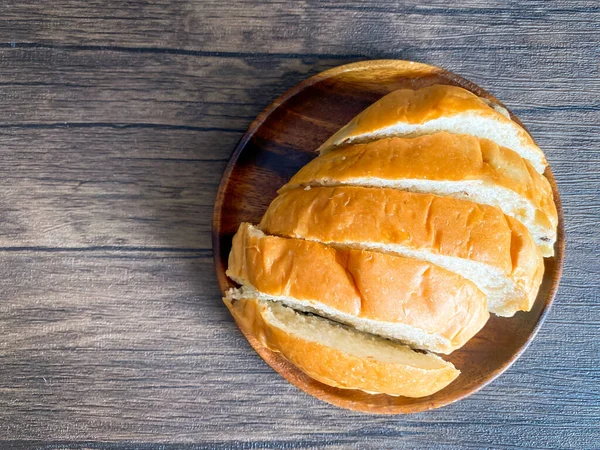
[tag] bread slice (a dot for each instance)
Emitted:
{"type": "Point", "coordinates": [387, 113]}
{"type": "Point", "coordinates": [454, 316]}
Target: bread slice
{"type": "Point", "coordinates": [339, 356]}
{"type": "Point", "coordinates": [461, 166]}
{"type": "Point", "coordinates": [413, 301]}
{"type": "Point", "coordinates": [437, 108]}
{"type": "Point", "coordinates": [479, 242]}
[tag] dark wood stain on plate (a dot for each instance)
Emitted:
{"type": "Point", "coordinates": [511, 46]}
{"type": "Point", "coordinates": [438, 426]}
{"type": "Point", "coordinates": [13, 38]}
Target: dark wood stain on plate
{"type": "Point", "coordinates": [281, 140]}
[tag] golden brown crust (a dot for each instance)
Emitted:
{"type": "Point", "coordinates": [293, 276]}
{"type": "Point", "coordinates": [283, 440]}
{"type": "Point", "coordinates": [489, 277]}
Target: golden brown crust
{"type": "Point", "coordinates": [422, 222]}
{"type": "Point", "coordinates": [420, 106]}
{"type": "Point", "coordinates": [528, 267]}
{"type": "Point", "coordinates": [336, 368]}
{"type": "Point", "coordinates": [363, 284]}
{"type": "Point", "coordinates": [438, 157]}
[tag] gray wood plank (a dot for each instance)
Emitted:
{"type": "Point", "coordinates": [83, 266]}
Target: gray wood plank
{"type": "Point", "coordinates": [101, 186]}
{"type": "Point", "coordinates": [71, 87]}
{"type": "Point", "coordinates": [309, 27]}
{"type": "Point", "coordinates": [76, 86]}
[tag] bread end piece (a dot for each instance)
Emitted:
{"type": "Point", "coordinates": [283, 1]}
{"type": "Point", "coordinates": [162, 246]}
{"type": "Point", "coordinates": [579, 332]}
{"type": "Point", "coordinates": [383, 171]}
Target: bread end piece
{"type": "Point", "coordinates": [339, 356]}
{"type": "Point", "coordinates": [408, 112]}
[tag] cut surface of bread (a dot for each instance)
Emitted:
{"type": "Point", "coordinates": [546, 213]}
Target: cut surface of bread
{"type": "Point", "coordinates": [478, 242]}
{"type": "Point", "coordinates": [339, 356]}
{"type": "Point", "coordinates": [432, 109]}
{"type": "Point", "coordinates": [460, 166]}
{"type": "Point", "coordinates": [400, 298]}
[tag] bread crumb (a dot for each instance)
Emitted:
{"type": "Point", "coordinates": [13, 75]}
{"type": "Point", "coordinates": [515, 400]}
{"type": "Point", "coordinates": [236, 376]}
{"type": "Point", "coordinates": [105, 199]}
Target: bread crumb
{"type": "Point", "coordinates": [343, 158]}
{"type": "Point", "coordinates": [307, 188]}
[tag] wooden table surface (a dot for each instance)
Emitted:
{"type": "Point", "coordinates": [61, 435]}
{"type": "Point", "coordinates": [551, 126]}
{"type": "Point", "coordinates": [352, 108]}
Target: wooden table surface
{"type": "Point", "coordinates": [117, 121]}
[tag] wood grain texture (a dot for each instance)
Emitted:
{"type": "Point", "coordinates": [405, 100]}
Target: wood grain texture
{"type": "Point", "coordinates": [109, 293]}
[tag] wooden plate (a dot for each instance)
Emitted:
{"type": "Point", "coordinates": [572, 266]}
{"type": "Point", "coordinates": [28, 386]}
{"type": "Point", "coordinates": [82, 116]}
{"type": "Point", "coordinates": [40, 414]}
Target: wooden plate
{"type": "Point", "coordinates": [281, 140]}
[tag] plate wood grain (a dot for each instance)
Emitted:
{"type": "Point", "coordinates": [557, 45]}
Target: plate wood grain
{"type": "Point", "coordinates": [281, 140]}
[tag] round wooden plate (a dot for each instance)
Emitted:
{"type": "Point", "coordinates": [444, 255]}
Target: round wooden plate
{"type": "Point", "coordinates": [283, 139]}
